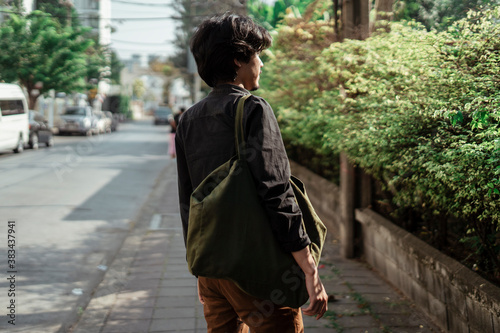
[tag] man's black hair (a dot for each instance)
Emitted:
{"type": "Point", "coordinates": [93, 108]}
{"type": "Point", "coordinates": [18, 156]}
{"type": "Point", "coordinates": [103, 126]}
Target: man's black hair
{"type": "Point", "coordinates": [221, 39]}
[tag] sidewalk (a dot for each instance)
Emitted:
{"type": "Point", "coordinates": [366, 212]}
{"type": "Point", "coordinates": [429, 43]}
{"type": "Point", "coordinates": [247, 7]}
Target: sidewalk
{"type": "Point", "coordinates": [148, 287]}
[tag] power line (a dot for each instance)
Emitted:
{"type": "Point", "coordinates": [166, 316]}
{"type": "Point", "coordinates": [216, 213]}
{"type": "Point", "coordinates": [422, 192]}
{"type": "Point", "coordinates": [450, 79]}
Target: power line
{"type": "Point", "coordinates": [140, 43]}
{"type": "Point", "coordinates": [143, 4]}
{"type": "Point", "coordinates": [108, 18]}
{"type": "Point", "coordinates": [143, 18]}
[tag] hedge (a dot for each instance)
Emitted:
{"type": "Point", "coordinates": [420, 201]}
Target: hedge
{"type": "Point", "coordinates": [417, 110]}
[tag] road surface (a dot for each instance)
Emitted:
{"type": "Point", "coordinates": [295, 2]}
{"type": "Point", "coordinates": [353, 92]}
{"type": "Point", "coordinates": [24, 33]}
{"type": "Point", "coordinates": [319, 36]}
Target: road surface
{"type": "Point", "coordinates": [70, 207]}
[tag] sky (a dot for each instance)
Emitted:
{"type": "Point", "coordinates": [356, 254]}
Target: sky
{"type": "Point", "coordinates": [148, 36]}
{"type": "Point", "coordinates": [138, 36]}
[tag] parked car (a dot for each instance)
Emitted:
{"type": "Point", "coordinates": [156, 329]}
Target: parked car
{"type": "Point", "coordinates": [102, 122]}
{"type": "Point", "coordinates": [14, 126]}
{"type": "Point", "coordinates": [114, 120]}
{"type": "Point", "coordinates": [162, 115]}
{"type": "Point", "coordinates": [40, 132]}
{"type": "Point", "coordinates": [77, 119]}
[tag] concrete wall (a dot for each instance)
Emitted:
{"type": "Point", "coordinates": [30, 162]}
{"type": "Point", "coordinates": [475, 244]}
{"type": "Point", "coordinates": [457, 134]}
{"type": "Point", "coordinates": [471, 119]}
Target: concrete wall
{"type": "Point", "coordinates": [458, 299]}
{"type": "Point", "coordinates": [324, 196]}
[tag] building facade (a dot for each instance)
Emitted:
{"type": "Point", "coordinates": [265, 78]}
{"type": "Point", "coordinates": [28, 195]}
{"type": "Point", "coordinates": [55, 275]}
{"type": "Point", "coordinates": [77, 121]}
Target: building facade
{"type": "Point", "coordinates": [93, 13]}
{"type": "Point", "coordinates": [6, 5]}
{"type": "Point", "coordinates": [97, 15]}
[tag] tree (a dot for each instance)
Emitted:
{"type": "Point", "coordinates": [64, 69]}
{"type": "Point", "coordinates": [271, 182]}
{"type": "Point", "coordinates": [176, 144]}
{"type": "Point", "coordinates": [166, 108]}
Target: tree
{"type": "Point", "coordinates": [438, 14]}
{"type": "Point", "coordinates": [116, 68]}
{"type": "Point", "coordinates": [101, 57]}
{"type": "Point", "coordinates": [138, 89]}
{"type": "Point", "coordinates": [41, 55]}
{"type": "Point", "coordinates": [271, 15]}
{"type": "Point", "coordinates": [355, 19]}
{"type": "Point", "coordinates": [383, 14]}
{"type": "Point", "coordinates": [61, 10]}
{"type": "Point", "coordinates": [102, 63]}
{"type": "Point", "coordinates": [192, 13]}
{"type": "Point", "coordinates": [383, 9]}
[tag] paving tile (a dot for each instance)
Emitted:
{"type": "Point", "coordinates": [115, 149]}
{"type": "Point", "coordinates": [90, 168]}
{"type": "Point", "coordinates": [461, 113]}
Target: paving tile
{"type": "Point", "coordinates": [178, 291]}
{"type": "Point", "coordinates": [336, 288]}
{"type": "Point", "coordinates": [363, 330]}
{"type": "Point", "coordinates": [357, 273]}
{"type": "Point", "coordinates": [175, 301]}
{"type": "Point", "coordinates": [354, 280]}
{"type": "Point", "coordinates": [141, 256]}
{"type": "Point", "coordinates": [177, 261]}
{"type": "Point", "coordinates": [398, 320]}
{"type": "Point", "coordinates": [373, 289]}
{"type": "Point", "coordinates": [180, 331]}
{"type": "Point", "coordinates": [179, 256]}
{"type": "Point", "coordinates": [344, 308]}
{"type": "Point", "coordinates": [130, 302]}
{"type": "Point", "coordinates": [141, 284]}
{"type": "Point", "coordinates": [320, 330]}
{"type": "Point", "coordinates": [201, 324]}
{"type": "Point", "coordinates": [311, 322]}
{"type": "Point", "coordinates": [411, 330]}
{"type": "Point", "coordinates": [149, 262]}
{"type": "Point", "coordinates": [158, 325]}
{"type": "Point", "coordinates": [361, 321]}
{"type": "Point", "coordinates": [146, 271]}
{"type": "Point", "coordinates": [177, 275]}
{"type": "Point", "coordinates": [169, 283]}
{"type": "Point", "coordinates": [126, 326]}
{"type": "Point", "coordinates": [131, 313]}
{"type": "Point", "coordinates": [134, 294]}
{"type": "Point", "coordinates": [171, 312]}
{"type": "Point", "coordinates": [391, 308]}
{"type": "Point", "coordinates": [378, 298]}
{"type": "Point", "coordinates": [176, 267]}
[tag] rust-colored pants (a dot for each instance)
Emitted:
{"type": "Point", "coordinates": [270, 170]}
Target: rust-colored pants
{"type": "Point", "coordinates": [228, 309]}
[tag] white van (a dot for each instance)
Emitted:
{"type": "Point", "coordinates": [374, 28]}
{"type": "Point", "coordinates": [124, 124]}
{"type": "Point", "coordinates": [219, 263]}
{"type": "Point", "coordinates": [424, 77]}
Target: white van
{"type": "Point", "coordinates": [14, 123]}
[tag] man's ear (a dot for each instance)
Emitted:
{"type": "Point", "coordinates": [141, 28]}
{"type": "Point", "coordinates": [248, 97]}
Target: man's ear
{"type": "Point", "coordinates": [237, 63]}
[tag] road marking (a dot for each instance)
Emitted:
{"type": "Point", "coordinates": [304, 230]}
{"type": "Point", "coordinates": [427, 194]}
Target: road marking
{"type": "Point", "coordinates": [161, 222]}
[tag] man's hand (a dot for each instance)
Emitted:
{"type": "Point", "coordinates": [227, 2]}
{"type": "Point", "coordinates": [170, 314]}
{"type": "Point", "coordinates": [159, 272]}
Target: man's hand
{"type": "Point", "coordinates": [315, 289]}
{"type": "Point", "coordinates": [317, 296]}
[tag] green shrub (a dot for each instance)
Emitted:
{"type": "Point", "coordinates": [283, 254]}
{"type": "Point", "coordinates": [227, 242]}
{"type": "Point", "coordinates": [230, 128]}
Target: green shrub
{"type": "Point", "coordinates": [125, 106]}
{"type": "Point", "coordinates": [418, 110]}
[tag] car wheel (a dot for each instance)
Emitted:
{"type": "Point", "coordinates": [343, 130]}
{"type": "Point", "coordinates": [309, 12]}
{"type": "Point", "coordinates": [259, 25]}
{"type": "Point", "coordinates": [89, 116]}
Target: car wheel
{"type": "Point", "coordinates": [20, 145]}
{"type": "Point", "coordinates": [50, 141]}
{"type": "Point", "coordinates": [34, 143]}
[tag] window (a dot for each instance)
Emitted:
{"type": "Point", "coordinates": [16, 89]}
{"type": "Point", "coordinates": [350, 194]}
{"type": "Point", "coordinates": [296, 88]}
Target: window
{"type": "Point", "coordinates": [11, 107]}
{"type": "Point", "coordinates": [77, 111]}
{"type": "Point", "coordinates": [94, 21]}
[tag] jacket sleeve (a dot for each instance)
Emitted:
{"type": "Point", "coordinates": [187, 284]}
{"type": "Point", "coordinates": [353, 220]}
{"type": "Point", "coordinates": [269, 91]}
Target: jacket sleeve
{"type": "Point", "coordinates": [184, 182]}
{"type": "Point", "coordinates": [268, 162]}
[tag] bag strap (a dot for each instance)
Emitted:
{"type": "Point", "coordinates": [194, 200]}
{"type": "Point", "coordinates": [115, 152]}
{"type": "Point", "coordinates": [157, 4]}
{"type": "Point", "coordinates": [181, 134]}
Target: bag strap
{"type": "Point", "coordinates": [238, 125]}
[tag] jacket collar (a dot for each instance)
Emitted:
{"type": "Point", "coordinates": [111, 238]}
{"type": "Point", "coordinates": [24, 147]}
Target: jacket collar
{"type": "Point", "coordinates": [229, 89]}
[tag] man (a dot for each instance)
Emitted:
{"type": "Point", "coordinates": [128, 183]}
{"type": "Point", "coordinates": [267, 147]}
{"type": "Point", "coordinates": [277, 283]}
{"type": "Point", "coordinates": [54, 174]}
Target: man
{"type": "Point", "coordinates": [226, 49]}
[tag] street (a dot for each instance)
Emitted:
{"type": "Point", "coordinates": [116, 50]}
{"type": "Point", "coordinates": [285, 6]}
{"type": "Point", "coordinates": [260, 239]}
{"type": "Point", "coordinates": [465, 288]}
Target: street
{"type": "Point", "coordinates": [64, 213]}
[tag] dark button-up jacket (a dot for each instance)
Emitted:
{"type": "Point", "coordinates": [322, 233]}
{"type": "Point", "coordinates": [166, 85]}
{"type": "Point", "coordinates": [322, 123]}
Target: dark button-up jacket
{"type": "Point", "coordinates": [205, 140]}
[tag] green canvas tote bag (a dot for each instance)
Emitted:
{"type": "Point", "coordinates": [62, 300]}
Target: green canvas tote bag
{"type": "Point", "coordinates": [229, 235]}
